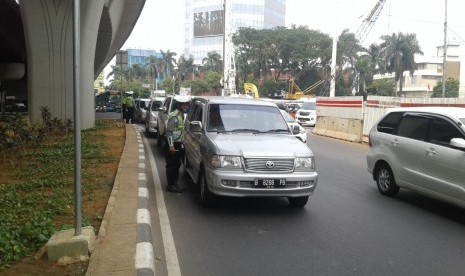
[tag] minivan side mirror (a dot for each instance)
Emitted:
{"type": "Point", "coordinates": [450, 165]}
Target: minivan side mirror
{"type": "Point", "coordinates": [163, 108]}
{"type": "Point", "coordinates": [195, 126]}
{"type": "Point", "coordinates": [296, 130]}
{"type": "Point", "coordinates": [458, 143]}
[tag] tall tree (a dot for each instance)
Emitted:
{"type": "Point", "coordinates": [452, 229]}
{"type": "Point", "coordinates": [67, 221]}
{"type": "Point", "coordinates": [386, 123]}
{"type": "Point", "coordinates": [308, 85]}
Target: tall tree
{"type": "Point", "coordinates": [212, 63]}
{"type": "Point", "coordinates": [399, 51]}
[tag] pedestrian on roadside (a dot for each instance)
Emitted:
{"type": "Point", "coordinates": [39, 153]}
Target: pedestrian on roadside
{"type": "Point", "coordinates": [174, 151]}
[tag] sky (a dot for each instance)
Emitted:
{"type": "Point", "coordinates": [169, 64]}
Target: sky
{"type": "Point", "coordinates": [160, 25]}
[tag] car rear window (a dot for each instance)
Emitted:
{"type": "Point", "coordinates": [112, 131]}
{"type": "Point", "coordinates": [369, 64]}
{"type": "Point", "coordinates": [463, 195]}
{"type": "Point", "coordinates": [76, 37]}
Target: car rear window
{"type": "Point", "coordinates": [390, 122]}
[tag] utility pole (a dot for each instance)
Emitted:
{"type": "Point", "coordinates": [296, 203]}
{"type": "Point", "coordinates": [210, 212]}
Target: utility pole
{"type": "Point", "coordinates": [444, 60]}
{"type": "Point", "coordinates": [77, 116]}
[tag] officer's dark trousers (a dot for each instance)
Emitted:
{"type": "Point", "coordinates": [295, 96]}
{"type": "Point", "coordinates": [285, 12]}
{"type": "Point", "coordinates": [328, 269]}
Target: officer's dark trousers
{"type": "Point", "coordinates": [173, 163]}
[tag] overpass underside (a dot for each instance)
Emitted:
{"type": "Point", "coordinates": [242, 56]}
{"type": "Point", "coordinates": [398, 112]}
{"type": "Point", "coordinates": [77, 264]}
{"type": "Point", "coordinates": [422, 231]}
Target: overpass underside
{"type": "Point", "coordinates": [36, 62]}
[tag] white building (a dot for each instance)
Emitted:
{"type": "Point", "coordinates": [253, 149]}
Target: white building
{"type": "Point", "coordinates": [204, 22]}
{"type": "Point", "coordinates": [430, 70]}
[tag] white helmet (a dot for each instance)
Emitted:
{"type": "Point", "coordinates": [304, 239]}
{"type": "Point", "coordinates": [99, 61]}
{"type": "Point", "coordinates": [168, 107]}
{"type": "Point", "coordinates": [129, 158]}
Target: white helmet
{"type": "Point", "coordinates": [182, 99]}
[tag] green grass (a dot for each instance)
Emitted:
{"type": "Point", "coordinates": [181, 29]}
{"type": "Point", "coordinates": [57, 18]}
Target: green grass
{"type": "Point", "coordinates": [43, 190]}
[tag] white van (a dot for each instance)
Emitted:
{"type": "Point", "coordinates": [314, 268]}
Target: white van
{"type": "Point", "coordinates": [307, 113]}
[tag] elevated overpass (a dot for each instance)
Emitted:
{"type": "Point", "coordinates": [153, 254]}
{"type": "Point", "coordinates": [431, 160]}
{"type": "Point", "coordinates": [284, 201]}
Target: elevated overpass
{"type": "Point", "coordinates": [36, 51]}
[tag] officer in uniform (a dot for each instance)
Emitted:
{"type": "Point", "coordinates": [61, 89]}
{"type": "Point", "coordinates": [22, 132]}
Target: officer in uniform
{"type": "Point", "coordinates": [127, 104]}
{"type": "Point", "coordinates": [175, 149]}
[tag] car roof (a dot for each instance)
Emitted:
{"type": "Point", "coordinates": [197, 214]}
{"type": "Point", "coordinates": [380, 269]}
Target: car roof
{"type": "Point", "coordinates": [457, 112]}
{"type": "Point", "coordinates": [234, 100]}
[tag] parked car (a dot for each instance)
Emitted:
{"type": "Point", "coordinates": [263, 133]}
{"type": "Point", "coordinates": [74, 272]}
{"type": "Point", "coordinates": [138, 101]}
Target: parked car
{"type": "Point", "coordinates": [140, 110]}
{"type": "Point", "coordinates": [307, 113]}
{"type": "Point", "coordinates": [422, 149]}
{"type": "Point", "coordinates": [243, 147]}
{"type": "Point", "coordinates": [170, 104]}
{"type": "Point", "coordinates": [302, 133]}
{"type": "Point", "coordinates": [151, 116]}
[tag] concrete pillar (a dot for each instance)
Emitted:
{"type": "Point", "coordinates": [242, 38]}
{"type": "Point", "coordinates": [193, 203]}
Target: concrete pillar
{"type": "Point", "coordinates": [48, 26]}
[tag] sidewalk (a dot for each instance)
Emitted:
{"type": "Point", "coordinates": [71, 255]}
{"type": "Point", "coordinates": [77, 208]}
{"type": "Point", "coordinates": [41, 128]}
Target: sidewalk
{"type": "Point", "coordinates": [115, 247]}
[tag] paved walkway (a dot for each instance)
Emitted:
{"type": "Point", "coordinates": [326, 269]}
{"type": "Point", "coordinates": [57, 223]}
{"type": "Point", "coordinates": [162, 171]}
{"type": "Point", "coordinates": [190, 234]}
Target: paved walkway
{"type": "Point", "coordinates": [123, 245]}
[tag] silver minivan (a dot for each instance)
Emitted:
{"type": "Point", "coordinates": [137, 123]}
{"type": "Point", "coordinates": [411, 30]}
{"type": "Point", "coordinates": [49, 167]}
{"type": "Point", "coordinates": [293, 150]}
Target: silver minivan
{"type": "Point", "coordinates": [422, 149]}
{"type": "Point", "coordinates": [240, 147]}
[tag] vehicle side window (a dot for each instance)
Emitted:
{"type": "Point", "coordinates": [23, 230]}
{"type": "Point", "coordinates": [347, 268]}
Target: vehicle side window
{"type": "Point", "coordinates": [155, 105]}
{"type": "Point", "coordinates": [197, 112]}
{"type": "Point", "coordinates": [390, 122]}
{"type": "Point", "coordinates": [167, 104]}
{"type": "Point", "coordinates": [413, 127]}
{"type": "Point", "coordinates": [442, 131]}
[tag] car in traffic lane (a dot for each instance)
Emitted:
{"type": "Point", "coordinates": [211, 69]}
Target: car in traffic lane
{"type": "Point", "coordinates": [243, 147]}
{"type": "Point", "coordinates": [422, 149]}
{"type": "Point", "coordinates": [302, 132]}
{"type": "Point", "coordinates": [306, 114]}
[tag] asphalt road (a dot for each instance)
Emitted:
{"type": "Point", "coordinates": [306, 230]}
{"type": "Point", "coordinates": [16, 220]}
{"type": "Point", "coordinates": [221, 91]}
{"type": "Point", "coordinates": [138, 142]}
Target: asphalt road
{"type": "Point", "coordinates": [347, 228]}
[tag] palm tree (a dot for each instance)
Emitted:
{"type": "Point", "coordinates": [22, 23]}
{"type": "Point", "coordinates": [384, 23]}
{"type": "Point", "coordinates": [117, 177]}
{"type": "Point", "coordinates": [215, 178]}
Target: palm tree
{"type": "Point", "coordinates": [185, 68]}
{"type": "Point", "coordinates": [168, 62]}
{"type": "Point", "coordinates": [153, 63]}
{"type": "Point", "coordinates": [399, 51]}
{"type": "Point", "coordinates": [212, 62]}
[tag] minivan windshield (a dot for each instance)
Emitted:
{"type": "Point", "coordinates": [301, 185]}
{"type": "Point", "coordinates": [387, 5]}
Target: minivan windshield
{"type": "Point", "coordinates": [245, 118]}
{"type": "Point", "coordinates": [309, 105]}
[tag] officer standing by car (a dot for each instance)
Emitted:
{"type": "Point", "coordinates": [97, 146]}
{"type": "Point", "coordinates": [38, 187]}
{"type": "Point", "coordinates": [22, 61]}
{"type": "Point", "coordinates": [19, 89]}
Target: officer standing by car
{"type": "Point", "coordinates": [175, 149]}
{"type": "Point", "coordinates": [127, 105]}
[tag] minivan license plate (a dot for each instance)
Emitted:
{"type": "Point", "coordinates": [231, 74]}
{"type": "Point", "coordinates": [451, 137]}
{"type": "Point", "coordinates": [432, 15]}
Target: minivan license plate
{"type": "Point", "coordinates": [270, 183]}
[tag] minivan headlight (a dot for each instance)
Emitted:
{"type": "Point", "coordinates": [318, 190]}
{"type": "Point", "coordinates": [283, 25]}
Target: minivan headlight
{"type": "Point", "coordinates": [225, 161]}
{"type": "Point", "coordinates": [305, 164]}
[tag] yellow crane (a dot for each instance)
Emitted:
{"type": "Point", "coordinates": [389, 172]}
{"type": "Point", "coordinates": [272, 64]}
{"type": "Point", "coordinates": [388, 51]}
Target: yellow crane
{"type": "Point", "coordinates": [295, 93]}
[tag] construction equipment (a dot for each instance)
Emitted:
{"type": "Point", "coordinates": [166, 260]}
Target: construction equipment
{"type": "Point", "coordinates": [362, 32]}
{"type": "Point", "coordinates": [251, 90]}
{"type": "Point", "coordinates": [295, 93]}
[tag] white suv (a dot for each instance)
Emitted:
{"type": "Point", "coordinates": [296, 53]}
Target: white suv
{"type": "Point", "coordinates": [307, 113]}
{"type": "Point", "coordinates": [422, 149]}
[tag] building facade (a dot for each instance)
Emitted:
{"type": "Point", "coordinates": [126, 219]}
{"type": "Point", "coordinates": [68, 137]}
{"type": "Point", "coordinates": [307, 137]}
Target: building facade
{"type": "Point", "coordinates": [429, 72]}
{"type": "Point", "coordinates": [204, 24]}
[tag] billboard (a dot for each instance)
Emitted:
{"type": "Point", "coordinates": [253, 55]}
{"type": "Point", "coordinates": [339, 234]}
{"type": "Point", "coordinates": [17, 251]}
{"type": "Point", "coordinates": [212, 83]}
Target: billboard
{"type": "Point", "coordinates": [208, 23]}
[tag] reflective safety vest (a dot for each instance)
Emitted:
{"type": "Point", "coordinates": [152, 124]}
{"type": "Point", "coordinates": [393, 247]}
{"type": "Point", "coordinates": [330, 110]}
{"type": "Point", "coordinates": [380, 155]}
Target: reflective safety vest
{"type": "Point", "coordinates": [177, 131]}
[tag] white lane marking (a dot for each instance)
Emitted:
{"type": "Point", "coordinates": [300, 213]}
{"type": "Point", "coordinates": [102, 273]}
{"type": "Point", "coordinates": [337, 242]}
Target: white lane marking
{"type": "Point", "coordinates": [172, 261]}
{"type": "Point", "coordinates": [143, 192]}
{"type": "Point", "coordinates": [143, 216]}
{"type": "Point", "coordinates": [144, 256]}
{"type": "Point", "coordinates": [142, 176]}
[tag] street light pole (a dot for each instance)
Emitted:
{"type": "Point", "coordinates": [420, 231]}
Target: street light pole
{"type": "Point", "coordinates": [444, 61]}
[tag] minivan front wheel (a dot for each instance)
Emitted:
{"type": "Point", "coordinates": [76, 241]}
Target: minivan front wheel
{"type": "Point", "coordinates": [300, 201]}
{"type": "Point", "coordinates": [385, 181]}
{"type": "Point", "coordinates": [207, 198]}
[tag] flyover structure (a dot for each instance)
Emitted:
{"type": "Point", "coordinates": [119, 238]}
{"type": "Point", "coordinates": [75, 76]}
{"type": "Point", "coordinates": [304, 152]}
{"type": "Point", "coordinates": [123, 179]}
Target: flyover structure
{"type": "Point", "coordinates": [36, 59]}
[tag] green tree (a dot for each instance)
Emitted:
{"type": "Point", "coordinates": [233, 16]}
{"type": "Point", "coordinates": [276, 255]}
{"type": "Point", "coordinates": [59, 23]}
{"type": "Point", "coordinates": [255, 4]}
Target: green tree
{"type": "Point", "coordinates": [185, 68]}
{"type": "Point", "coordinates": [212, 63]}
{"type": "Point", "coordinates": [213, 80]}
{"type": "Point", "coordinates": [382, 87]}
{"type": "Point", "coordinates": [399, 51]}
{"type": "Point", "coordinates": [452, 89]}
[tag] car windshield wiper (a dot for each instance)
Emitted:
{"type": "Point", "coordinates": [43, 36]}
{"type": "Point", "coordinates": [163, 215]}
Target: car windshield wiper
{"type": "Point", "coordinates": [279, 130]}
{"type": "Point", "coordinates": [244, 130]}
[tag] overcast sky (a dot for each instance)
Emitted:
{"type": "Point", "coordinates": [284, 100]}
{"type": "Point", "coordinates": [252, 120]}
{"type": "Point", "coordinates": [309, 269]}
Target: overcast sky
{"type": "Point", "coordinates": [160, 26]}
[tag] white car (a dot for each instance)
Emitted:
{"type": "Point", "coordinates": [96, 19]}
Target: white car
{"type": "Point", "coordinates": [422, 149]}
{"type": "Point", "coordinates": [151, 116]}
{"type": "Point", "coordinates": [307, 113]}
{"type": "Point", "coordinates": [302, 135]}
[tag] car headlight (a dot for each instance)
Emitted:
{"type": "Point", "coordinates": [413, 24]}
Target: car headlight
{"type": "Point", "coordinates": [305, 164]}
{"type": "Point", "coordinates": [226, 162]}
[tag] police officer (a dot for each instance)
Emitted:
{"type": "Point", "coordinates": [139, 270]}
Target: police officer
{"type": "Point", "coordinates": [127, 104]}
{"type": "Point", "coordinates": [175, 149]}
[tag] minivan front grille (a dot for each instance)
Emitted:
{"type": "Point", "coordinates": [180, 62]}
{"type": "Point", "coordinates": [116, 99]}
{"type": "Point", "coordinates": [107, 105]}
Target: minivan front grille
{"type": "Point", "coordinates": [269, 164]}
